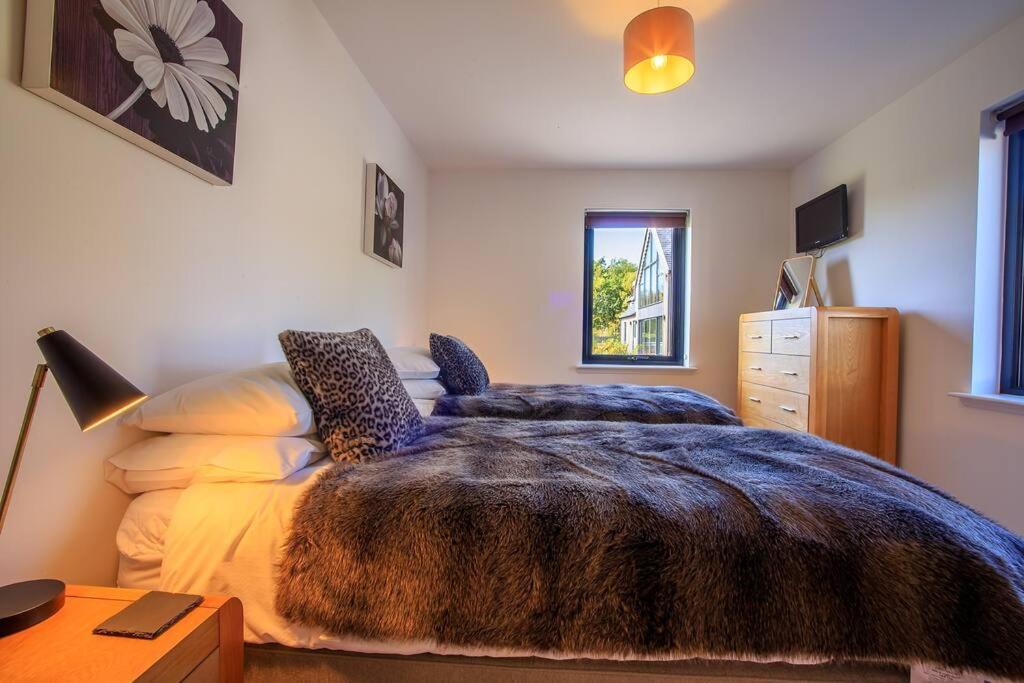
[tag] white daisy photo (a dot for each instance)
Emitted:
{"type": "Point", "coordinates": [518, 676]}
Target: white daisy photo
{"type": "Point", "coordinates": [162, 74]}
{"type": "Point", "coordinates": [168, 44]}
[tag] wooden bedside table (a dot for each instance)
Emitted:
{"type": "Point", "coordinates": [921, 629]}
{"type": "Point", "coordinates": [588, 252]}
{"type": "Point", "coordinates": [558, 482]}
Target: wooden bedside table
{"type": "Point", "coordinates": [206, 645]}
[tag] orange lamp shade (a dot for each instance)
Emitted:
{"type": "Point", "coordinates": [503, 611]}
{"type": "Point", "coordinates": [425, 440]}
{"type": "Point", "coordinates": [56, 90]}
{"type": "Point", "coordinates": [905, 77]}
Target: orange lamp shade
{"type": "Point", "coordinates": [657, 54]}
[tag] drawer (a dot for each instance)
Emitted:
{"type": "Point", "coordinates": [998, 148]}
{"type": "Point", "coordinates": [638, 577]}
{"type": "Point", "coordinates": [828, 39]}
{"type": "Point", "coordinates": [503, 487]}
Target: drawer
{"type": "Point", "coordinates": [792, 337]}
{"type": "Point", "coordinates": [785, 407]}
{"type": "Point", "coordinates": [792, 373]}
{"type": "Point", "coordinates": [761, 423]}
{"type": "Point", "coordinates": [757, 336]}
{"type": "Point", "coordinates": [208, 670]}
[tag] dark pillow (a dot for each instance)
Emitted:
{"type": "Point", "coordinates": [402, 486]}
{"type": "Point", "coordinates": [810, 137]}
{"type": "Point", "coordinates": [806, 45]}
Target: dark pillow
{"type": "Point", "coordinates": [361, 408]}
{"type": "Point", "coordinates": [462, 372]}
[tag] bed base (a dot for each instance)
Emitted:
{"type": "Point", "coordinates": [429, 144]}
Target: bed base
{"type": "Point", "coordinates": [276, 663]}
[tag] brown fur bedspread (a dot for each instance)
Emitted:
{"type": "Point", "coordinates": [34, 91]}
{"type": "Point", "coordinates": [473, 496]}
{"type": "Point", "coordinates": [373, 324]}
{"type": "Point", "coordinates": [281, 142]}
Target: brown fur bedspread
{"type": "Point", "coordinates": [612, 402]}
{"type": "Point", "coordinates": [620, 539]}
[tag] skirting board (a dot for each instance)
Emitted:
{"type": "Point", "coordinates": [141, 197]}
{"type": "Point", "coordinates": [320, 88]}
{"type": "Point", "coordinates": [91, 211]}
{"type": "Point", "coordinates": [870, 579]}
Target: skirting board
{"type": "Point", "coordinates": [271, 663]}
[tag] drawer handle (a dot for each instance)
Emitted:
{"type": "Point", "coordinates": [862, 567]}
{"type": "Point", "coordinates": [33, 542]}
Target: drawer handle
{"type": "Point", "coordinates": [791, 336]}
{"type": "Point", "coordinates": [787, 372]}
{"type": "Point", "coordinates": [787, 409]}
{"type": "Point", "coordinates": [753, 399]}
{"type": "Point", "coordinates": [756, 336]}
{"type": "Point", "coordinates": [755, 368]}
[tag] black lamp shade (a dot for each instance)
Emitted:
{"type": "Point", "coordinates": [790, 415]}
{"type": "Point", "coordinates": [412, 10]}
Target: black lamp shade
{"type": "Point", "coordinates": [94, 390]}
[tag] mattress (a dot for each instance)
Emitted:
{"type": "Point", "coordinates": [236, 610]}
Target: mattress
{"type": "Point", "coordinates": [227, 537]}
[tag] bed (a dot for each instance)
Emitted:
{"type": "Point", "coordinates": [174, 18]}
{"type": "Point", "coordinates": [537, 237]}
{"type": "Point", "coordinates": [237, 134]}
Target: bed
{"type": "Point", "coordinates": [614, 541]}
{"type": "Point", "coordinates": [609, 402]}
{"type": "Point", "coordinates": [141, 546]}
{"type": "Point", "coordinates": [228, 523]}
{"type": "Point", "coordinates": [470, 393]}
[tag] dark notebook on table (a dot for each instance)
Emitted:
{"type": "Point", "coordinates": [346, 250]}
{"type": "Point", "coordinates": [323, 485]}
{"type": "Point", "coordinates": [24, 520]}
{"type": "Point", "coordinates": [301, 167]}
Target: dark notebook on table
{"type": "Point", "coordinates": [149, 616]}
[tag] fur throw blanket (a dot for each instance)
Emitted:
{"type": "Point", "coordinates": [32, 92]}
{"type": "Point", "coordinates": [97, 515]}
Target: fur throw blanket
{"type": "Point", "coordinates": [630, 540]}
{"type": "Point", "coordinates": [612, 402]}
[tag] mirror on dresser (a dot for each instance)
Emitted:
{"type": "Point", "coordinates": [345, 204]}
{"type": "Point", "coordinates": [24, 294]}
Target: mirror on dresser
{"type": "Point", "coordinates": [795, 283]}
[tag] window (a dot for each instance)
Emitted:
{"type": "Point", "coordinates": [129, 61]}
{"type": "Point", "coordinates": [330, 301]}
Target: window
{"type": "Point", "coordinates": [634, 287]}
{"type": "Point", "coordinates": [1012, 375]}
{"type": "Point", "coordinates": [651, 289]}
{"type": "Point", "coordinates": [652, 339]}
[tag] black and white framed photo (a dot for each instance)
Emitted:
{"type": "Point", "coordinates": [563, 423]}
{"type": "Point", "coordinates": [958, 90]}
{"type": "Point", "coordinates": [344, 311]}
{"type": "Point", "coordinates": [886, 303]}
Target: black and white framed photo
{"type": "Point", "coordinates": [162, 74]}
{"type": "Point", "coordinates": [384, 218]}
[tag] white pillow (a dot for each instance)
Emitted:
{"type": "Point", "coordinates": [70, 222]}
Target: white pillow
{"type": "Point", "coordinates": [175, 461]}
{"type": "Point", "coordinates": [413, 362]}
{"type": "Point", "coordinates": [260, 401]}
{"type": "Point", "coordinates": [424, 388]}
{"type": "Point", "coordinates": [425, 406]}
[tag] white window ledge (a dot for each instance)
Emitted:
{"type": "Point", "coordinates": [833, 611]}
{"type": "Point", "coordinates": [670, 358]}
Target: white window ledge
{"type": "Point", "coordinates": [605, 368]}
{"type": "Point", "coordinates": [1002, 402]}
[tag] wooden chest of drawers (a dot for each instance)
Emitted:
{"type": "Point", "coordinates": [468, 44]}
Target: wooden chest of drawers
{"type": "Point", "coordinates": [833, 372]}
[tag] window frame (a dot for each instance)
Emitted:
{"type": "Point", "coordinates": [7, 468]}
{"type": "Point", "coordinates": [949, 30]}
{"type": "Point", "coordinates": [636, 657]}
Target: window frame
{"type": "Point", "coordinates": [1011, 375]}
{"type": "Point", "coordinates": [680, 245]}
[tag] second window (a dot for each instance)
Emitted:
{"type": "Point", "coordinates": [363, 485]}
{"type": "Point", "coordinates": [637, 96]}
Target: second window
{"type": "Point", "coordinates": [634, 288]}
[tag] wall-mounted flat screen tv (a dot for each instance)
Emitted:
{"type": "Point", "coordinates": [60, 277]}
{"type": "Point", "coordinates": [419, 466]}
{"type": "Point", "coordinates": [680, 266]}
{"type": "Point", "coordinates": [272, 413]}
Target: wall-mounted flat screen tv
{"type": "Point", "coordinates": [822, 221]}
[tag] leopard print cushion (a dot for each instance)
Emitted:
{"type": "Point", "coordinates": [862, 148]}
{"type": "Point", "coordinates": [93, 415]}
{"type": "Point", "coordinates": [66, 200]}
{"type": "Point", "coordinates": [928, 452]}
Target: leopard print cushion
{"type": "Point", "coordinates": [462, 371]}
{"type": "Point", "coordinates": [361, 408]}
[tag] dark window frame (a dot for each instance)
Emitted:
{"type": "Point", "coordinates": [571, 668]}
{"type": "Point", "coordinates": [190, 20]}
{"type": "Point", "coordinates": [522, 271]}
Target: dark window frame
{"type": "Point", "coordinates": [1011, 379]}
{"type": "Point", "coordinates": [679, 223]}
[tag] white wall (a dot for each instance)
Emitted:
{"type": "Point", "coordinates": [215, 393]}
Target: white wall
{"type": "Point", "coordinates": [169, 278]}
{"type": "Point", "coordinates": [506, 264]}
{"type": "Point", "coordinates": [912, 170]}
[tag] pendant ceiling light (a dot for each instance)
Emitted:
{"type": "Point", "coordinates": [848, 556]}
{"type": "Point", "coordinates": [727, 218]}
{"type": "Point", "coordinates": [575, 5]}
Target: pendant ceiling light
{"type": "Point", "coordinates": [657, 53]}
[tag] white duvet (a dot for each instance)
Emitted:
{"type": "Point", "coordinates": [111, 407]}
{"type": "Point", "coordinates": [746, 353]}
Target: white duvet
{"type": "Point", "coordinates": [142, 536]}
{"type": "Point", "coordinates": [226, 539]}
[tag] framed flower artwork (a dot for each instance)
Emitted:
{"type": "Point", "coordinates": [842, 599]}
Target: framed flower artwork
{"type": "Point", "coordinates": [162, 74]}
{"type": "Point", "coordinates": [383, 218]}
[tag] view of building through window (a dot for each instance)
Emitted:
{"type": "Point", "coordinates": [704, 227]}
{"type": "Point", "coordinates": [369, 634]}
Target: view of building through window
{"type": "Point", "coordinates": [631, 312]}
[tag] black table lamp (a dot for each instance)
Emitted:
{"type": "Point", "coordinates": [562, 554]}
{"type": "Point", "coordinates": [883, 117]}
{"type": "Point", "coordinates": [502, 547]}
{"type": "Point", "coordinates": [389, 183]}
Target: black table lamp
{"type": "Point", "coordinates": [96, 393]}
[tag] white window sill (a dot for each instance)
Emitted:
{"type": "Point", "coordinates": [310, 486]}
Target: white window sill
{"type": "Point", "coordinates": [1002, 402]}
{"type": "Point", "coordinates": [605, 368]}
